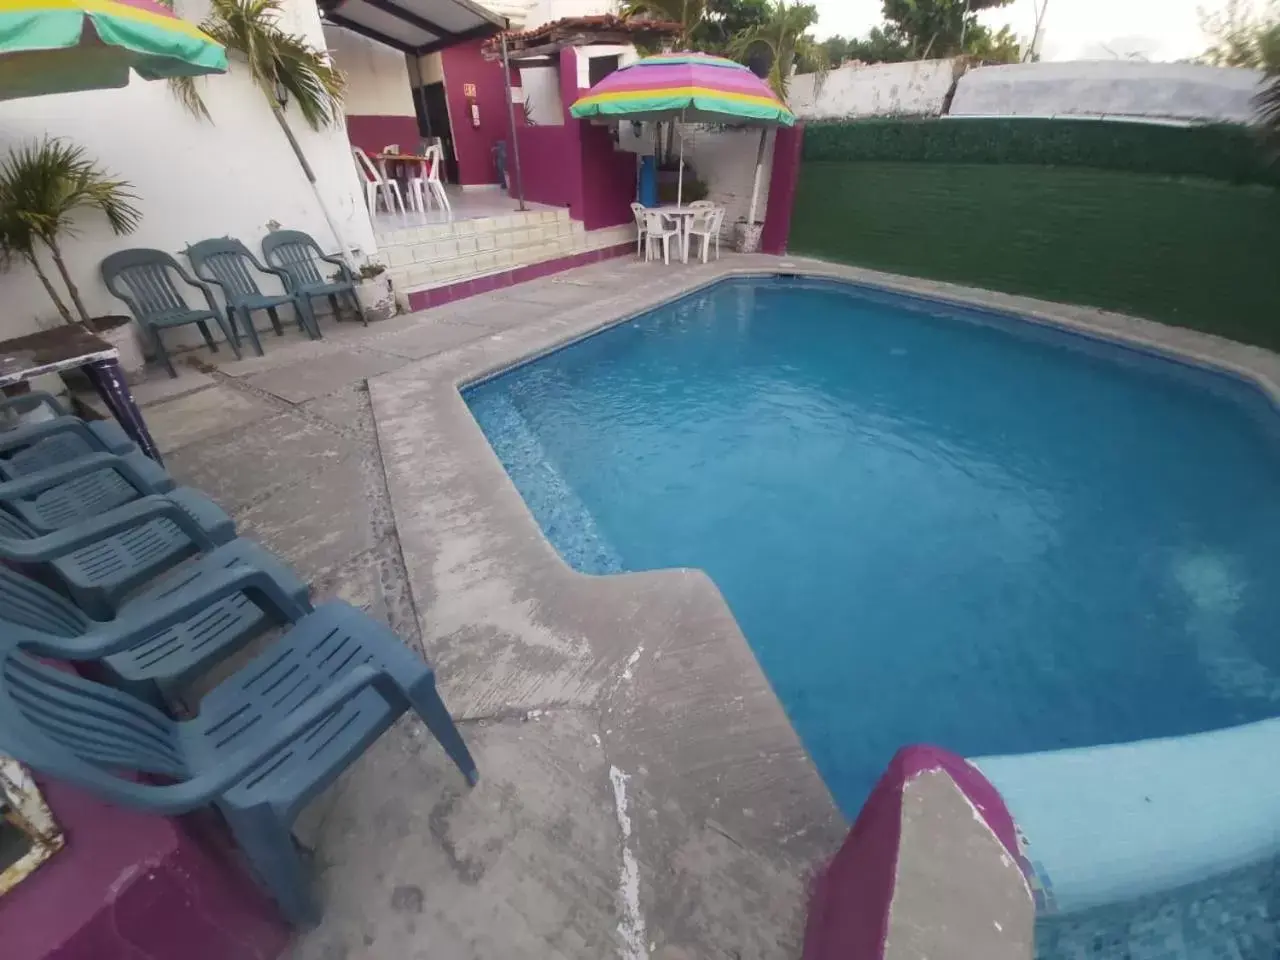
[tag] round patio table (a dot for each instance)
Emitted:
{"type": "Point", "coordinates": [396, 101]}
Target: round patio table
{"type": "Point", "coordinates": [685, 215]}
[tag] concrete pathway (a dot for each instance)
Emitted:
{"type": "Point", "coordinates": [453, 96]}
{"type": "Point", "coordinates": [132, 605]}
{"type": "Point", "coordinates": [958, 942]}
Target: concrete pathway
{"type": "Point", "coordinates": [570, 846]}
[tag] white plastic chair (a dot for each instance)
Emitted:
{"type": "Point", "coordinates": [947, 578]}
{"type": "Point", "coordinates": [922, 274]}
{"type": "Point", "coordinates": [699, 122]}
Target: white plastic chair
{"type": "Point", "coordinates": [659, 227]}
{"type": "Point", "coordinates": [431, 188]}
{"type": "Point", "coordinates": [707, 227]}
{"type": "Point", "coordinates": [700, 204]}
{"type": "Point", "coordinates": [376, 185]}
{"type": "Point", "coordinates": [638, 210]}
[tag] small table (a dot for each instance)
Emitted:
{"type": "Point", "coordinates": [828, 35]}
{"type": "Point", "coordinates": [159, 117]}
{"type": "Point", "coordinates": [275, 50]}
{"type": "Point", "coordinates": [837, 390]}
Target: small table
{"type": "Point", "coordinates": [686, 216]}
{"type": "Point", "coordinates": [68, 347]}
{"type": "Point", "coordinates": [402, 172]}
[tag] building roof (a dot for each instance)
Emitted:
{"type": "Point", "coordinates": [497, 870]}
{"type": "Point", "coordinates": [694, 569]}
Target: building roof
{"type": "Point", "coordinates": [414, 26]}
{"type": "Point", "coordinates": [552, 37]}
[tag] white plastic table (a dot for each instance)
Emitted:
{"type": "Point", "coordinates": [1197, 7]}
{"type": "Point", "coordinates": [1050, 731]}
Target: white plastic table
{"type": "Point", "coordinates": [685, 215]}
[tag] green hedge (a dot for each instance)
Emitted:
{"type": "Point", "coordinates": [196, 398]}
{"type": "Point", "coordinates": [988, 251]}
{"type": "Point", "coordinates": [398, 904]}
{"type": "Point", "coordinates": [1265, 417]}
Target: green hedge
{"type": "Point", "coordinates": [1224, 152]}
{"type": "Point", "coordinates": [1188, 252]}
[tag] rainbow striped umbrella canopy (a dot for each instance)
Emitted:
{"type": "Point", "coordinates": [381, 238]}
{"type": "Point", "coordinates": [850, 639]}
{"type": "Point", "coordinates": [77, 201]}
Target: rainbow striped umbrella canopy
{"type": "Point", "coordinates": [58, 46]}
{"type": "Point", "coordinates": [695, 87]}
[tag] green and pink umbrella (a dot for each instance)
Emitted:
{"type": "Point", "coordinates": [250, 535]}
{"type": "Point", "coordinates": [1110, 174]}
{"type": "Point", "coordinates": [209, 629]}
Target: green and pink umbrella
{"type": "Point", "coordinates": [60, 46]}
{"type": "Point", "coordinates": [692, 88]}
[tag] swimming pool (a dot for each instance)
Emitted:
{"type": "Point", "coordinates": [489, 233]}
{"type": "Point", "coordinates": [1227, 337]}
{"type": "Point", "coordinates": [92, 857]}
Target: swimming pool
{"type": "Point", "coordinates": [933, 524]}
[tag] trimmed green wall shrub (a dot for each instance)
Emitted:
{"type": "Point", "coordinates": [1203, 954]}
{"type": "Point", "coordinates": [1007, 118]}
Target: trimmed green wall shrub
{"type": "Point", "coordinates": [1194, 253]}
{"type": "Point", "coordinates": [1216, 152]}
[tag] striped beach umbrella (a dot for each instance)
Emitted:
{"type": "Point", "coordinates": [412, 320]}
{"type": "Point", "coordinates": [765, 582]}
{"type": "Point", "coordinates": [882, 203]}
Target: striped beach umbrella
{"type": "Point", "coordinates": [693, 87]}
{"type": "Point", "coordinates": [59, 46]}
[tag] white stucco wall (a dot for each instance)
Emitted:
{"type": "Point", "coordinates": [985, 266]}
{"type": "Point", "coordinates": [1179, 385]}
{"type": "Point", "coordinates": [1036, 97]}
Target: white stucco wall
{"type": "Point", "coordinates": [195, 179]}
{"type": "Point", "coordinates": [377, 75]}
{"type": "Point", "coordinates": [725, 160]}
{"type": "Point", "coordinates": [874, 90]}
{"type": "Point", "coordinates": [546, 11]}
{"type": "Point", "coordinates": [1108, 88]}
{"type": "Point", "coordinates": [541, 87]}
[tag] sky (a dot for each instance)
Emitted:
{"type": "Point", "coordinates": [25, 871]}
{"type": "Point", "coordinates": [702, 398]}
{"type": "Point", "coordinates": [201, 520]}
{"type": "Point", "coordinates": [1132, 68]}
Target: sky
{"type": "Point", "coordinates": [1074, 29]}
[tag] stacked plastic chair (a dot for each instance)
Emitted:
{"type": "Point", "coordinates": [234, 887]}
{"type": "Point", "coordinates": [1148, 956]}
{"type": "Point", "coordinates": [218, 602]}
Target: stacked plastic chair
{"type": "Point", "coordinates": [107, 566]}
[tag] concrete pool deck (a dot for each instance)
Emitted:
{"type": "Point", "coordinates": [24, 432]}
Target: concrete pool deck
{"type": "Point", "coordinates": [642, 793]}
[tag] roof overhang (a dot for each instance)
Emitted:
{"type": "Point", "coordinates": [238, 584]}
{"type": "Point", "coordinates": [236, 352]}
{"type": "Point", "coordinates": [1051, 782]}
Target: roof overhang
{"type": "Point", "coordinates": [549, 39]}
{"type": "Point", "coordinates": [414, 26]}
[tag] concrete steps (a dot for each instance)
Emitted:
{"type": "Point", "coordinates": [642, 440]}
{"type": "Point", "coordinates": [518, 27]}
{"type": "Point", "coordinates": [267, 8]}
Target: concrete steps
{"type": "Point", "coordinates": [446, 254]}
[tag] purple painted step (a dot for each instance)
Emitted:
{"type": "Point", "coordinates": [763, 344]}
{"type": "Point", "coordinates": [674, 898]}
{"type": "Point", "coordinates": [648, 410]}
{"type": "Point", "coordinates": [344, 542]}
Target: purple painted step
{"type": "Point", "coordinates": [129, 886]}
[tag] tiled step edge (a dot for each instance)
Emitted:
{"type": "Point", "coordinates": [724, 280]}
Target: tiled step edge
{"type": "Point", "coordinates": [439, 296]}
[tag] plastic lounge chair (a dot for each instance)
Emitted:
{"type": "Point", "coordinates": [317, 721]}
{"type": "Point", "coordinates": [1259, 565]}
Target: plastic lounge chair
{"type": "Point", "coordinates": [218, 588]}
{"type": "Point", "coordinates": [227, 263]}
{"type": "Point", "coordinates": [267, 740]}
{"type": "Point", "coordinates": [297, 254]}
{"type": "Point", "coordinates": [82, 488]}
{"type": "Point", "coordinates": [101, 560]}
{"type": "Point", "coordinates": [143, 279]}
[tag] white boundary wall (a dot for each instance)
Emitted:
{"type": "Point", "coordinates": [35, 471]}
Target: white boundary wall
{"type": "Point", "coordinates": [1106, 88]}
{"type": "Point", "coordinates": [875, 90]}
{"type": "Point", "coordinates": [196, 179]}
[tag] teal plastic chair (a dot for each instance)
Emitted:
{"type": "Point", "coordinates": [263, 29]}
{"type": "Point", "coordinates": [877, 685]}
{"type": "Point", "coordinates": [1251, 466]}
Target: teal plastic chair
{"type": "Point", "coordinates": [228, 263]}
{"type": "Point", "coordinates": [219, 588]}
{"type": "Point", "coordinates": [99, 561]}
{"type": "Point", "coordinates": [143, 279]}
{"type": "Point", "coordinates": [299, 256]}
{"type": "Point", "coordinates": [266, 741]}
{"type": "Point", "coordinates": [29, 447]}
{"type": "Point", "coordinates": [82, 488]}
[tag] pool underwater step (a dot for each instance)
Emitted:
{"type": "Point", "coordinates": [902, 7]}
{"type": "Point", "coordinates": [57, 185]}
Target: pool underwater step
{"type": "Point", "coordinates": [567, 522]}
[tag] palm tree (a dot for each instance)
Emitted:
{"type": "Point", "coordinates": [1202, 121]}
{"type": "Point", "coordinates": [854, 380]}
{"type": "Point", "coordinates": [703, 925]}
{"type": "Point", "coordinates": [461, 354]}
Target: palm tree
{"type": "Point", "coordinates": [284, 66]}
{"type": "Point", "coordinates": [785, 35]}
{"type": "Point", "coordinates": [42, 187]}
{"type": "Point", "coordinates": [688, 13]}
{"type": "Point", "coordinates": [1268, 104]}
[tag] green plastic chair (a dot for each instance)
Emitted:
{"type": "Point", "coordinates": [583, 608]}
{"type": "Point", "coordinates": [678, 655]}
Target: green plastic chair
{"type": "Point", "coordinates": [165, 662]}
{"type": "Point", "coordinates": [267, 740]}
{"type": "Point", "coordinates": [143, 279]}
{"type": "Point", "coordinates": [100, 561]}
{"type": "Point", "coordinates": [82, 488]}
{"type": "Point", "coordinates": [299, 256]}
{"type": "Point", "coordinates": [228, 263]}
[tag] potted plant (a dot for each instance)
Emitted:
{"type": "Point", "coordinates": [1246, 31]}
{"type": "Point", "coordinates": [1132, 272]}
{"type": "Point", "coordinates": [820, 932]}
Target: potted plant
{"type": "Point", "coordinates": [42, 188]}
{"type": "Point", "coordinates": [374, 291]}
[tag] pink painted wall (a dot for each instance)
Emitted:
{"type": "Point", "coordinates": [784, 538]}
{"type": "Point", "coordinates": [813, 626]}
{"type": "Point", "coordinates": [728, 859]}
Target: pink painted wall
{"type": "Point", "coordinates": [782, 189]}
{"type": "Point", "coordinates": [129, 886]}
{"type": "Point", "coordinates": [576, 165]}
{"type": "Point", "coordinates": [372, 133]}
{"type": "Point", "coordinates": [542, 162]}
{"type": "Point", "coordinates": [849, 905]}
{"type": "Point", "coordinates": [463, 64]}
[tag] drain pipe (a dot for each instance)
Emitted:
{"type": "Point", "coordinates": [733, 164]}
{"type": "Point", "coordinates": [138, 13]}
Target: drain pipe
{"type": "Point", "coordinates": [511, 118]}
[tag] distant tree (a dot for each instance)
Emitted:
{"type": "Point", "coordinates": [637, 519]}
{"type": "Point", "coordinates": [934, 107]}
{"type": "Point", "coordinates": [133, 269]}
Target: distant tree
{"type": "Point", "coordinates": [1243, 37]}
{"type": "Point", "coordinates": [725, 19]}
{"type": "Point", "coordinates": [690, 14]}
{"type": "Point", "coordinates": [785, 39]}
{"type": "Point", "coordinates": [920, 29]}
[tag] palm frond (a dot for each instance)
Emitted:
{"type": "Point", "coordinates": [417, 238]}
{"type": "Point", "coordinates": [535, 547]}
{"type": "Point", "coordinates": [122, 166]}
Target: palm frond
{"type": "Point", "coordinates": [44, 184]}
{"type": "Point", "coordinates": [1267, 103]}
{"type": "Point", "coordinates": [184, 88]}
{"type": "Point", "coordinates": [277, 60]}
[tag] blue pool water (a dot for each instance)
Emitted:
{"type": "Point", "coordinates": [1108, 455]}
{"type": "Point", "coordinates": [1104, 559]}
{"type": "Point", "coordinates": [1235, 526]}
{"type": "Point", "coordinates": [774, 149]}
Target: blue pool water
{"type": "Point", "coordinates": [932, 524]}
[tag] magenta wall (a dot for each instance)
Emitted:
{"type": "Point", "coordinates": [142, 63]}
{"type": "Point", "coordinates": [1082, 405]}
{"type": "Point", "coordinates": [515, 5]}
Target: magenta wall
{"type": "Point", "coordinates": [372, 133]}
{"type": "Point", "coordinates": [782, 189]}
{"type": "Point", "coordinates": [849, 904]}
{"type": "Point", "coordinates": [542, 164]}
{"type": "Point", "coordinates": [602, 178]}
{"type": "Point", "coordinates": [463, 64]}
{"type": "Point", "coordinates": [128, 886]}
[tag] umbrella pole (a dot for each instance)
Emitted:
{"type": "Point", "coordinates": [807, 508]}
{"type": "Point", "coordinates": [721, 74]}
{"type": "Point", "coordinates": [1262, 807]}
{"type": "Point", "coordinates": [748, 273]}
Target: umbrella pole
{"type": "Point", "coordinates": [680, 183]}
{"type": "Point", "coordinates": [755, 184]}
